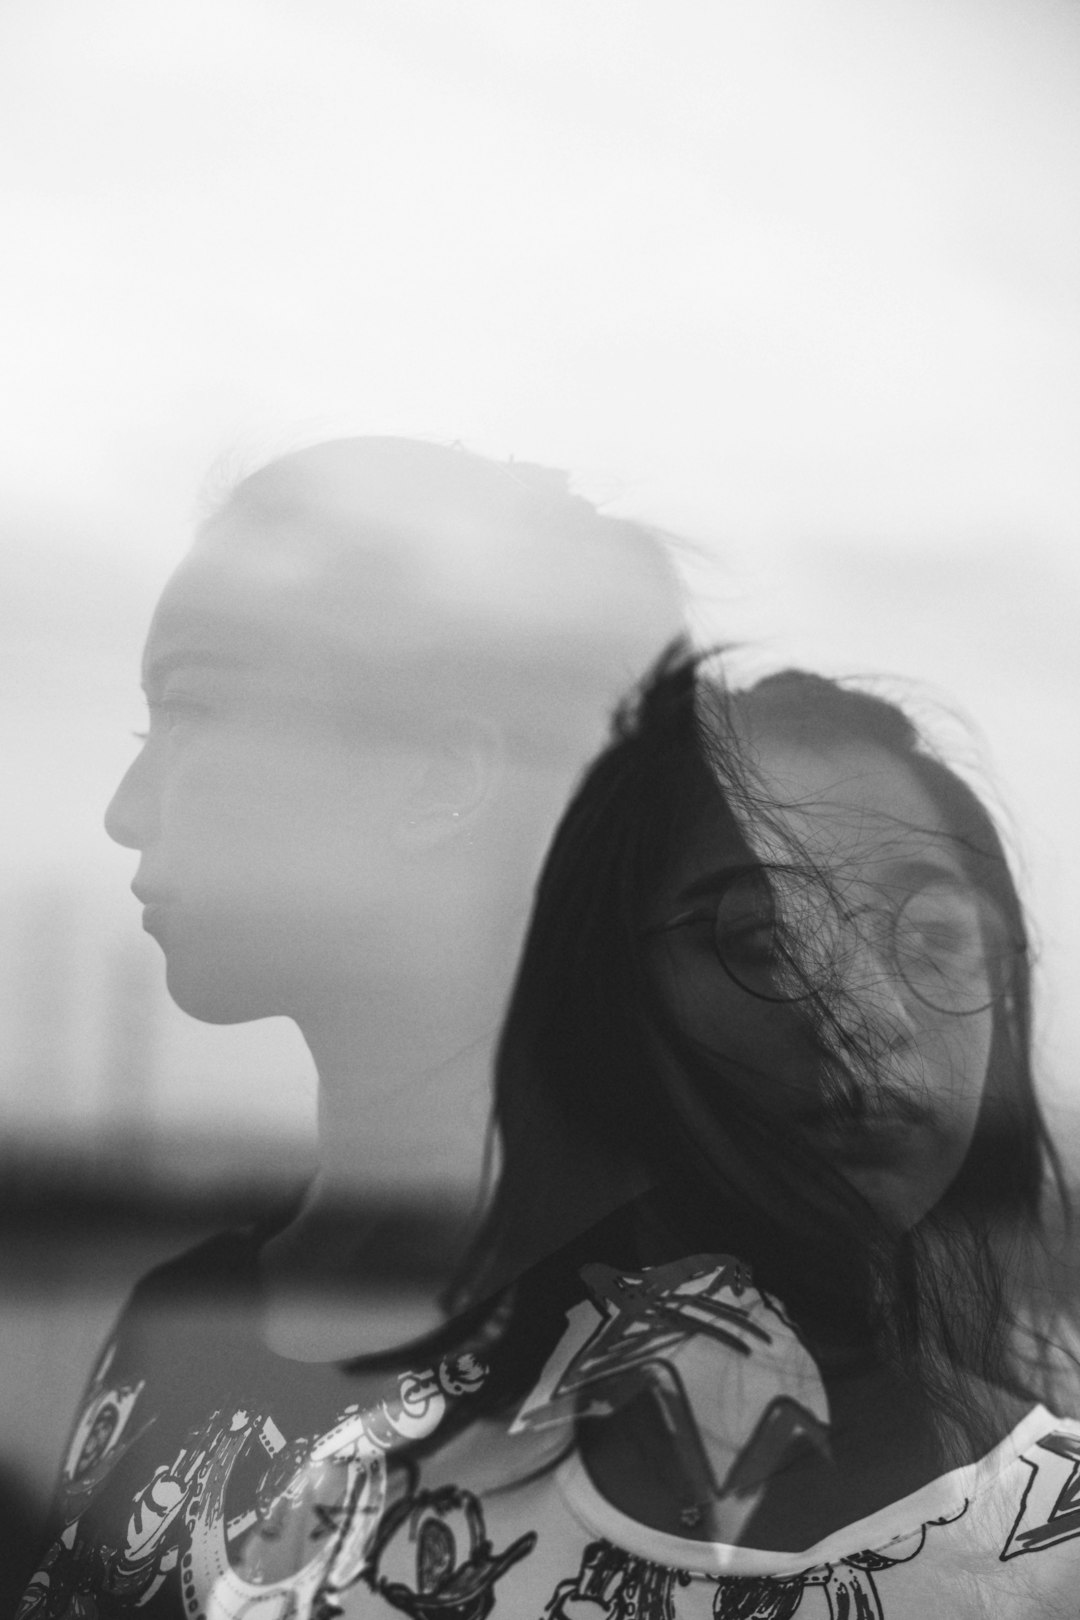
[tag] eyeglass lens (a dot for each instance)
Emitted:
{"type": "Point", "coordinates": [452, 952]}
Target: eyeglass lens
{"type": "Point", "coordinates": [782, 936]}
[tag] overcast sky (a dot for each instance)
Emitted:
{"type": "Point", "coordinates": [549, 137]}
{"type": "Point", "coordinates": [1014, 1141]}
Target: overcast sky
{"type": "Point", "coordinates": [798, 278]}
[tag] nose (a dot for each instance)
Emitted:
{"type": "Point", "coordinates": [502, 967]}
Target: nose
{"type": "Point", "coordinates": [131, 814]}
{"type": "Point", "coordinates": [875, 991]}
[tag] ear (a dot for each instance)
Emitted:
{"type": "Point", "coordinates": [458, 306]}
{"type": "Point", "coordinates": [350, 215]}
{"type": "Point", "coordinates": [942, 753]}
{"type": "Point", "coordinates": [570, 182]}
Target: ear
{"type": "Point", "coordinates": [459, 776]}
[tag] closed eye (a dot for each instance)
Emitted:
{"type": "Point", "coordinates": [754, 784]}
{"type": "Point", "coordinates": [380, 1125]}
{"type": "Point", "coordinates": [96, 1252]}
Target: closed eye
{"type": "Point", "coordinates": [754, 942]}
{"type": "Point", "coordinates": [685, 919]}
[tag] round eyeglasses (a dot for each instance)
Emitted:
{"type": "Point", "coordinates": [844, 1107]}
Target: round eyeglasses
{"type": "Point", "coordinates": [784, 935]}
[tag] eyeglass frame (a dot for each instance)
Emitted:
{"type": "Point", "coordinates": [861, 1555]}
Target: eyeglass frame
{"type": "Point", "coordinates": [738, 874]}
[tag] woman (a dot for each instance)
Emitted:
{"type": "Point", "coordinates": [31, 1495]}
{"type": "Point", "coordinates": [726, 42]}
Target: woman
{"type": "Point", "coordinates": [371, 685]}
{"type": "Point", "coordinates": [777, 974]}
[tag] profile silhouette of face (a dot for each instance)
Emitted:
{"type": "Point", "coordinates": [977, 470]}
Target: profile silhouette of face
{"type": "Point", "coordinates": [266, 800]}
{"type": "Point", "coordinates": [859, 817]}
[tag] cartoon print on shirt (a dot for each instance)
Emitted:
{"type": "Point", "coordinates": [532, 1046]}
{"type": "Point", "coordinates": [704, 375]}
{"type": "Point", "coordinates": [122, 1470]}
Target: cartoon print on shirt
{"type": "Point", "coordinates": [433, 1559]}
{"type": "Point", "coordinates": [131, 1570]}
{"type": "Point", "coordinates": [154, 1528]}
{"type": "Point", "coordinates": [634, 1318]}
{"type": "Point", "coordinates": [65, 1583]}
{"type": "Point", "coordinates": [298, 1536]}
{"type": "Point", "coordinates": [615, 1585]}
{"type": "Point", "coordinates": [102, 1434]}
{"type": "Point", "coordinates": [846, 1585]}
{"type": "Point", "coordinates": [736, 1387]}
{"type": "Point", "coordinates": [1050, 1504]}
{"type": "Point", "coordinates": [306, 1539]}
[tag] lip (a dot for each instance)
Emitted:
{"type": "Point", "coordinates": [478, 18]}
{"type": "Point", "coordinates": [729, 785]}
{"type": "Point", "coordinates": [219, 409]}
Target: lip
{"type": "Point", "coordinates": [151, 897]}
{"type": "Point", "coordinates": [155, 906]}
{"type": "Point", "coordinates": [153, 917]}
{"type": "Point", "coordinates": [878, 1141]}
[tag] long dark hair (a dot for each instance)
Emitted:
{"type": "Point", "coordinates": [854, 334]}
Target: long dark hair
{"type": "Point", "coordinates": [624, 1141]}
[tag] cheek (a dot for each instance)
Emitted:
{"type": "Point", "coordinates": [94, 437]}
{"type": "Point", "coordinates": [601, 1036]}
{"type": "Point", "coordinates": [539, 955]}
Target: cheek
{"type": "Point", "coordinates": [216, 787]}
{"type": "Point", "coordinates": [956, 1053]}
{"type": "Point", "coordinates": [696, 992]}
{"type": "Point", "coordinates": [284, 814]}
{"type": "Point", "coordinates": [730, 1024]}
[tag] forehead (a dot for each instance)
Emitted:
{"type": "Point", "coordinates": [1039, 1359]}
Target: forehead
{"type": "Point", "coordinates": [256, 595]}
{"type": "Point", "coordinates": [854, 807]}
{"type": "Point", "coordinates": [853, 810]}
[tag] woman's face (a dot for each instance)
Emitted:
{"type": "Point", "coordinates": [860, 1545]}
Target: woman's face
{"type": "Point", "coordinates": [264, 814]}
{"type": "Point", "coordinates": [914, 1073]}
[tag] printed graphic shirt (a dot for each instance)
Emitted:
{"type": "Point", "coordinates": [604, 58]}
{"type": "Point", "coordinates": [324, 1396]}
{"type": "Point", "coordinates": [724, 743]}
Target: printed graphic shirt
{"type": "Point", "coordinates": [211, 1480]}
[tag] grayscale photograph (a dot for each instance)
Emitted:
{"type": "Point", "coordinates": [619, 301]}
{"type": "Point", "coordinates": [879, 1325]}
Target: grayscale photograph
{"type": "Point", "coordinates": [540, 608]}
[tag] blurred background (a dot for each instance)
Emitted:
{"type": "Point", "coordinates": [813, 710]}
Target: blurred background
{"type": "Point", "coordinates": [798, 280]}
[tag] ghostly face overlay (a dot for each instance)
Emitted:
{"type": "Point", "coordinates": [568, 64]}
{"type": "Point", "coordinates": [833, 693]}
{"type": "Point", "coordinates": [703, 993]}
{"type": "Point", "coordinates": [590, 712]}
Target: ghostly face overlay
{"type": "Point", "coordinates": [860, 816]}
{"type": "Point", "coordinates": [266, 808]}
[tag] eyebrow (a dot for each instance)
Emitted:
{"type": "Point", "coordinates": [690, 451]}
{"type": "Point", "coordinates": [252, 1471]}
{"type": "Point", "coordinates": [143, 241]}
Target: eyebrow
{"type": "Point", "coordinates": [925, 871]}
{"type": "Point", "coordinates": [913, 872]}
{"type": "Point", "coordinates": [710, 882]}
{"type": "Point", "coordinates": [168, 663]}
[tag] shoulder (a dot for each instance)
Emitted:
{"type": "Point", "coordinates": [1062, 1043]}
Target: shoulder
{"type": "Point", "coordinates": [227, 1260]}
{"type": "Point", "coordinates": [193, 1309]}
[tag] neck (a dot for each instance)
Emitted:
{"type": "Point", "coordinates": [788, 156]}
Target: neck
{"type": "Point", "coordinates": [407, 1136]}
{"type": "Point", "coordinates": [401, 1160]}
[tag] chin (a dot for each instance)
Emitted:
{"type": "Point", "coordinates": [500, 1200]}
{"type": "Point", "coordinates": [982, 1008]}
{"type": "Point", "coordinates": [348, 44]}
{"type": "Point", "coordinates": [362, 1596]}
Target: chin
{"type": "Point", "coordinates": [215, 998]}
{"type": "Point", "coordinates": [900, 1200]}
